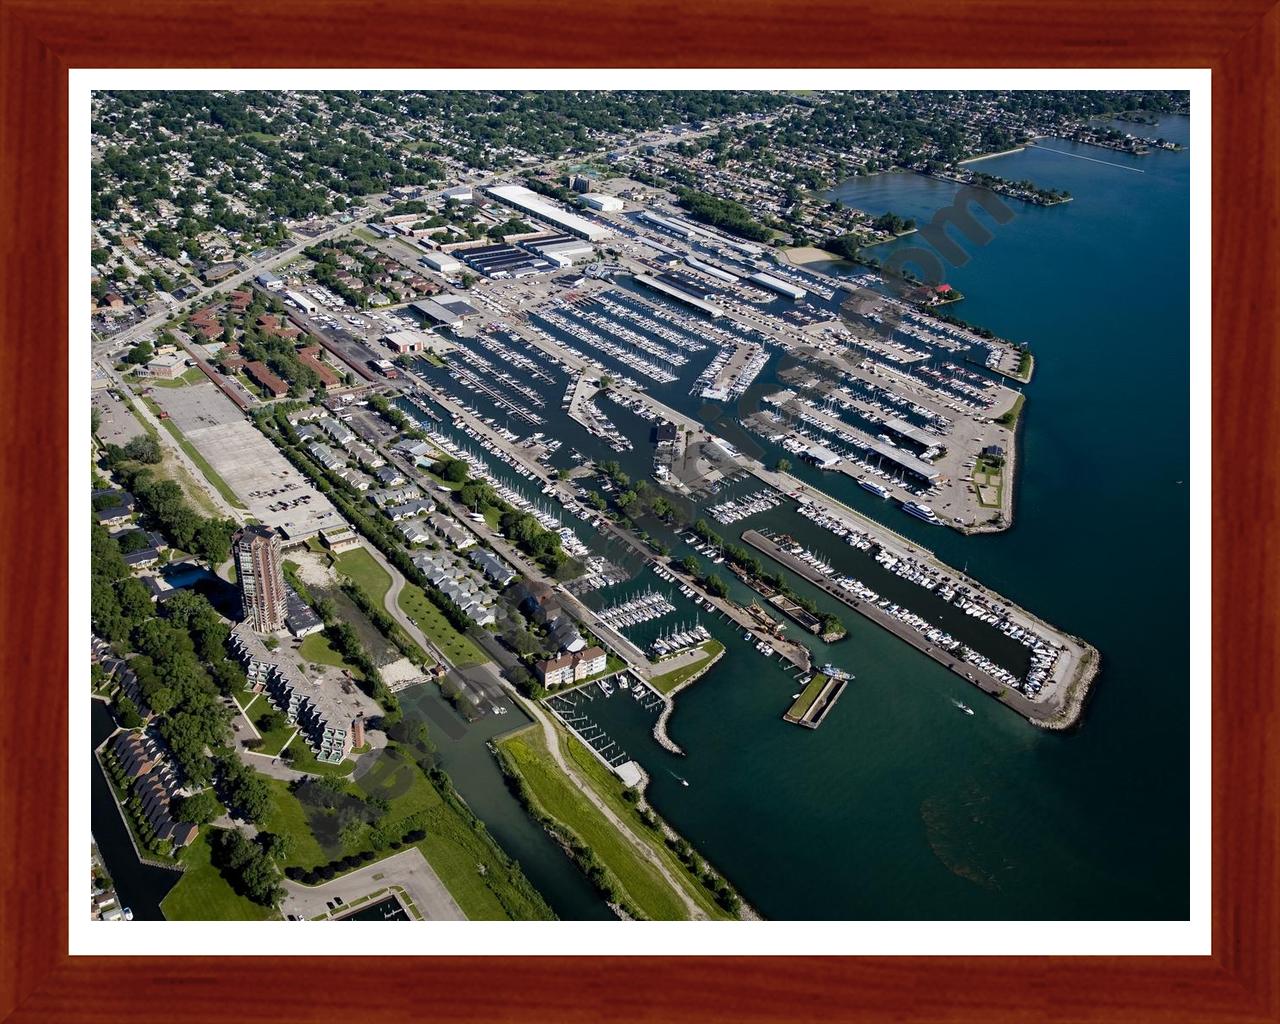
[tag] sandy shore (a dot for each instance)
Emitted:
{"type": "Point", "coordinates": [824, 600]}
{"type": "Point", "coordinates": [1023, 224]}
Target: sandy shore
{"type": "Point", "coordinates": [802, 254]}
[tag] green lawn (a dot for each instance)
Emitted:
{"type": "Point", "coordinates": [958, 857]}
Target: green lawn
{"type": "Point", "coordinates": [487, 885]}
{"type": "Point", "coordinates": [273, 739]}
{"type": "Point", "coordinates": [431, 620]}
{"type": "Point", "coordinates": [668, 681]}
{"type": "Point", "coordinates": [202, 894]}
{"type": "Point", "coordinates": [319, 651]}
{"type": "Point", "coordinates": [365, 572]}
{"type": "Point", "coordinates": [287, 817]}
{"type": "Point", "coordinates": [808, 695]}
{"type": "Point", "coordinates": [189, 377]}
{"type": "Point", "coordinates": [559, 799]}
{"type": "Point", "coordinates": [610, 787]}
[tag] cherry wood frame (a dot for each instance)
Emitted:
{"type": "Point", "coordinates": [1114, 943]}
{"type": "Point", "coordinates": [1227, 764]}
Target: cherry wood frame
{"type": "Point", "coordinates": [40, 39]}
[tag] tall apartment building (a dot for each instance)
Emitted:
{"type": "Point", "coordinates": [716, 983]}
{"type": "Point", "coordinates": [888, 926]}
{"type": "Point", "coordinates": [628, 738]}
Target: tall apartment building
{"type": "Point", "coordinates": [260, 573]}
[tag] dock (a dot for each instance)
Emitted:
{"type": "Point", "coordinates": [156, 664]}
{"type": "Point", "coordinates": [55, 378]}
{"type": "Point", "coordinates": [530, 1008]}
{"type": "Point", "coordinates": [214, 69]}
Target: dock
{"type": "Point", "coordinates": [1035, 711]}
{"type": "Point", "coordinates": [817, 698]}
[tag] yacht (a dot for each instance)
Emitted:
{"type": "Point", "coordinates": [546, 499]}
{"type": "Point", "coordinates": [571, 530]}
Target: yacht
{"type": "Point", "coordinates": [874, 488]}
{"type": "Point", "coordinates": [915, 508]}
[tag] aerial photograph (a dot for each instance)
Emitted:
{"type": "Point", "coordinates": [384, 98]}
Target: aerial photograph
{"type": "Point", "coordinates": [597, 505]}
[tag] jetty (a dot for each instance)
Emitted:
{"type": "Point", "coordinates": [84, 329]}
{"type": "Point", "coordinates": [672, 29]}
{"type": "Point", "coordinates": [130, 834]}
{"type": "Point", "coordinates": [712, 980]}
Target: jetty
{"type": "Point", "coordinates": [817, 698]}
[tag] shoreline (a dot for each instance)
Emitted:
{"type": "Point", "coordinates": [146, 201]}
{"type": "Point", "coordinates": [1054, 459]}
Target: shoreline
{"type": "Point", "coordinates": [1078, 692]}
{"type": "Point", "coordinates": [660, 726]}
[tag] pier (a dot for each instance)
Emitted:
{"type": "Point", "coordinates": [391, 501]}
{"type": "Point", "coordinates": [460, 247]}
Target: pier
{"type": "Point", "coordinates": [1076, 666]}
{"type": "Point", "coordinates": [817, 698]}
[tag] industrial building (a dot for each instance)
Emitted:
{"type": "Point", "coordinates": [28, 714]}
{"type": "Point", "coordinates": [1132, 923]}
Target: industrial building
{"type": "Point", "coordinates": [711, 270]}
{"type": "Point", "coordinates": [562, 250]}
{"type": "Point", "coordinates": [599, 201]}
{"type": "Point", "coordinates": [408, 341]}
{"type": "Point", "coordinates": [269, 281]}
{"type": "Point", "coordinates": [503, 260]}
{"type": "Point", "coordinates": [530, 202]}
{"type": "Point", "coordinates": [462, 193]}
{"type": "Point", "coordinates": [670, 226]}
{"type": "Point", "coordinates": [440, 262]}
{"type": "Point", "coordinates": [679, 294]}
{"type": "Point", "coordinates": [773, 284]}
{"type": "Point", "coordinates": [307, 305]}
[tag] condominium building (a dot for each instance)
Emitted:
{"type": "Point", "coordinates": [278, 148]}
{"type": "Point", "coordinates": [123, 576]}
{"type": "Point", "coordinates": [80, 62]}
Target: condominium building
{"type": "Point", "coordinates": [260, 573]}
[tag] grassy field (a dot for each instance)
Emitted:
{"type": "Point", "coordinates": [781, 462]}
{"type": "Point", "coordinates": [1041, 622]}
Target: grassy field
{"type": "Point", "coordinates": [477, 874]}
{"type": "Point", "coordinates": [274, 739]}
{"type": "Point", "coordinates": [202, 894]}
{"type": "Point", "coordinates": [668, 681]}
{"type": "Point", "coordinates": [365, 572]}
{"type": "Point", "coordinates": [559, 799]}
{"type": "Point", "coordinates": [808, 695]}
{"type": "Point", "coordinates": [319, 651]}
{"type": "Point", "coordinates": [431, 620]}
{"type": "Point", "coordinates": [189, 377]}
{"type": "Point", "coordinates": [990, 479]}
{"type": "Point", "coordinates": [610, 787]}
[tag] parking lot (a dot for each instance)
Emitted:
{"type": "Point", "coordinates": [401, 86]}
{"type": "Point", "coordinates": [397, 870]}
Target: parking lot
{"type": "Point", "coordinates": [197, 406]}
{"type": "Point", "coordinates": [116, 424]}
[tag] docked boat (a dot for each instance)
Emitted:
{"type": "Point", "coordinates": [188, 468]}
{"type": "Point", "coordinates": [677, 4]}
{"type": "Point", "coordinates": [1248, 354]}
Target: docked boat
{"type": "Point", "coordinates": [874, 488]}
{"type": "Point", "coordinates": [831, 672]}
{"type": "Point", "coordinates": [920, 511]}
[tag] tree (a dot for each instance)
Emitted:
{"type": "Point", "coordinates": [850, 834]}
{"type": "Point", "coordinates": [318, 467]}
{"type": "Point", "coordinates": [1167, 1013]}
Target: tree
{"type": "Point", "coordinates": [127, 713]}
{"type": "Point", "coordinates": [143, 448]}
{"type": "Point", "coordinates": [783, 466]}
{"type": "Point", "coordinates": [351, 834]}
{"type": "Point", "coordinates": [200, 808]}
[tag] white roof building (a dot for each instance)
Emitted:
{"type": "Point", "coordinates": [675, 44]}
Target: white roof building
{"type": "Point", "coordinates": [531, 203]}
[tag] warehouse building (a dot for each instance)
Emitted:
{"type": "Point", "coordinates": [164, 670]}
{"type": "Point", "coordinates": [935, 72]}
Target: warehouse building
{"type": "Point", "coordinates": [679, 294]}
{"type": "Point", "coordinates": [773, 284]}
{"type": "Point", "coordinates": [528, 201]}
{"type": "Point", "coordinates": [441, 262]}
{"type": "Point", "coordinates": [599, 201]}
{"type": "Point", "coordinates": [304, 303]}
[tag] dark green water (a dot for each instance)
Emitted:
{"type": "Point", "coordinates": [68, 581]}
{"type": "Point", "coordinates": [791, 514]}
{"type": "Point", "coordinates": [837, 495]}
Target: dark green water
{"type": "Point", "coordinates": [899, 806]}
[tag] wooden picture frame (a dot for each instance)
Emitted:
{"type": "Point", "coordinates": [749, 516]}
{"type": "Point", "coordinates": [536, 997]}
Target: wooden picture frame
{"type": "Point", "coordinates": [42, 39]}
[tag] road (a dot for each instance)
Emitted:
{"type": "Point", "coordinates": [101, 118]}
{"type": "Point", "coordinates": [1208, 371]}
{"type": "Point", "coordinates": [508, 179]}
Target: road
{"type": "Point", "coordinates": [408, 869]}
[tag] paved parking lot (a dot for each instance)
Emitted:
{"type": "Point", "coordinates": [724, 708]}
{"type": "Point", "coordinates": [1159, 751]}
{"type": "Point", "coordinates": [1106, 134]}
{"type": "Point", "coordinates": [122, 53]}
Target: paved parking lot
{"type": "Point", "coordinates": [197, 405]}
{"type": "Point", "coordinates": [276, 493]}
{"type": "Point", "coordinates": [116, 424]}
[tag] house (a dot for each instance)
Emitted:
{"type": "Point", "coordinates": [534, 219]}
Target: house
{"type": "Point", "coordinates": [494, 568]}
{"type": "Point", "coordinates": [564, 633]}
{"type": "Point", "coordinates": [538, 601]}
{"type": "Point", "coordinates": [455, 535]}
{"type": "Point", "coordinates": [113, 512]}
{"type": "Point", "coordinates": [389, 476]}
{"type": "Point", "coordinates": [571, 668]}
{"type": "Point", "coordinates": [413, 531]}
{"type": "Point", "coordinates": [409, 509]}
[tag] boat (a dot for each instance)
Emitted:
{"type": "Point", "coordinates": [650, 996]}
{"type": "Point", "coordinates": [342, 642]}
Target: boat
{"type": "Point", "coordinates": [915, 508]}
{"type": "Point", "coordinates": [831, 672]}
{"type": "Point", "coordinates": [128, 912]}
{"type": "Point", "coordinates": [962, 706]}
{"type": "Point", "coordinates": [874, 488]}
